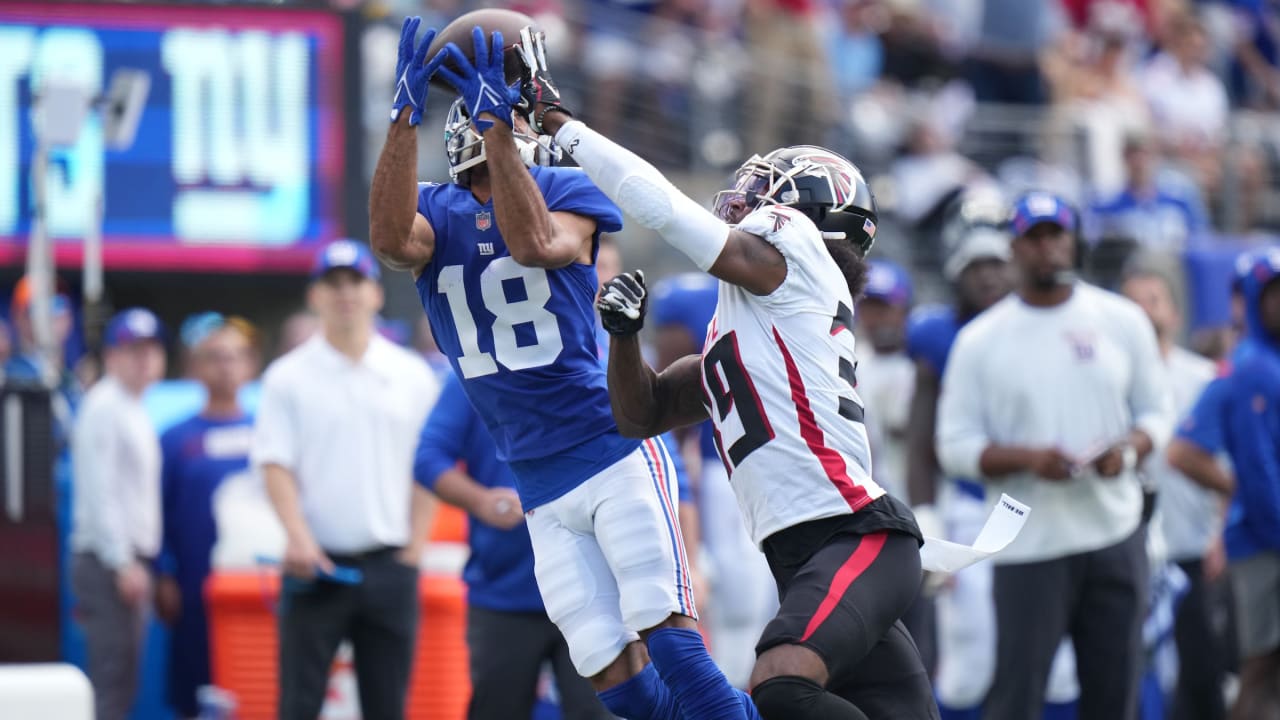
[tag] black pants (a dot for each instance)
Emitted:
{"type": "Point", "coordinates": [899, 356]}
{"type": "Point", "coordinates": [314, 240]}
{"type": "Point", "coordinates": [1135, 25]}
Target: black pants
{"type": "Point", "coordinates": [380, 618]}
{"type": "Point", "coordinates": [1201, 657]}
{"type": "Point", "coordinates": [507, 650]}
{"type": "Point", "coordinates": [844, 601]}
{"type": "Point", "coordinates": [1097, 597]}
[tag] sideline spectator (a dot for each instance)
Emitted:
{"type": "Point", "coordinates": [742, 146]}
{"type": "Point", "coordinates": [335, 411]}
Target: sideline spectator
{"type": "Point", "coordinates": [1054, 395]}
{"type": "Point", "coordinates": [1190, 517]}
{"type": "Point", "coordinates": [1239, 414]}
{"type": "Point", "coordinates": [1191, 111]}
{"type": "Point", "coordinates": [26, 363]}
{"type": "Point", "coordinates": [1159, 216]}
{"type": "Point", "coordinates": [1003, 64]}
{"type": "Point", "coordinates": [786, 51]}
{"type": "Point", "coordinates": [509, 635]}
{"type": "Point", "coordinates": [335, 437]}
{"type": "Point", "coordinates": [886, 376]}
{"type": "Point", "coordinates": [197, 456]}
{"type": "Point", "coordinates": [1189, 103]}
{"type": "Point", "coordinates": [116, 509]}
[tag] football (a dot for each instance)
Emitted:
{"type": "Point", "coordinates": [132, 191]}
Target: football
{"type": "Point", "coordinates": [458, 32]}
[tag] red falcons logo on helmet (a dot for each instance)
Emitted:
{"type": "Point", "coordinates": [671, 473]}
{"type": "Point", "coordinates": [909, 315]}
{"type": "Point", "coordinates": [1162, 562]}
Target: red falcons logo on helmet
{"type": "Point", "coordinates": [842, 176]}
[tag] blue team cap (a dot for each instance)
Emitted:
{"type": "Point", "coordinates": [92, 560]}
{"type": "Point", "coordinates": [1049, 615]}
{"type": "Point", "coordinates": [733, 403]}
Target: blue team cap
{"type": "Point", "coordinates": [133, 325]}
{"type": "Point", "coordinates": [889, 282]}
{"type": "Point", "coordinates": [346, 254]}
{"type": "Point", "coordinates": [1038, 207]}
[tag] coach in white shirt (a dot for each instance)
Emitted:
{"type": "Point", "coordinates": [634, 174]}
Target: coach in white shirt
{"type": "Point", "coordinates": [335, 437]}
{"type": "Point", "coordinates": [1054, 395]}
{"type": "Point", "coordinates": [115, 456]}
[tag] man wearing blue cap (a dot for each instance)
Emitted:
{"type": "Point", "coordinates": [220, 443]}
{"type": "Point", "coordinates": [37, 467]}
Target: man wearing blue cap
{"type": "Point", "coordinates": [1054, 395]}
{"type": "Point", "coordinates": [115, 457]}
{"type": "Point", "coordinates": [335, 436]}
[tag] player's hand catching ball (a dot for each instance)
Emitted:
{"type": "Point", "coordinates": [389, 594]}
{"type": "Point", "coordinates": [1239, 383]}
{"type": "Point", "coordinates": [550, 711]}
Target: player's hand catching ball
{"type": "Point", "coordinates": [483, 86]}
{"type": "Point", "coordinates": [412, 75]}
{"type": "Point", "coordinates": [622, 304]}
{"type": "Point", "coordinates": [538, 94]}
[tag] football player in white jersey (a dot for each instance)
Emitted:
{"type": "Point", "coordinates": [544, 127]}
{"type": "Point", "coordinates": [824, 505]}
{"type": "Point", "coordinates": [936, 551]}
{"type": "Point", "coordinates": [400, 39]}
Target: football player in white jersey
{"type": "Point", "coordinates": [776, 377]}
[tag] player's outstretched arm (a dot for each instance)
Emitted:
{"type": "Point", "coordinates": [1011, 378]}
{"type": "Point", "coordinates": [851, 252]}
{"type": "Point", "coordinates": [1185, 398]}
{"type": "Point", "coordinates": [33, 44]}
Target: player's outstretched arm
{"type": "Point", "coordinates": [644, 403]}
{"type": "Point", "coordinates": [399, 236]}
{"type": "Point", "coordinates": [535, 236]}
{"type": "Point", "coordinates": [642, 192]}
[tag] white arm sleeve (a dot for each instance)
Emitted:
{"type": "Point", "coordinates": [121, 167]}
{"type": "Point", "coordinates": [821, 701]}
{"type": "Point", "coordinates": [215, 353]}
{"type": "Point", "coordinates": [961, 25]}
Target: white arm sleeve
{"type": "Point", "coordinates": [961, 437]}
{"type": "Point", "coordinates": [643, 193]}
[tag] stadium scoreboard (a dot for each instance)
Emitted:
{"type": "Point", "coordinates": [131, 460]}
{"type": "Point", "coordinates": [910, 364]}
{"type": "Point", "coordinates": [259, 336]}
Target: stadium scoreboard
{"type": "Point", "coordinates": [238, 159]}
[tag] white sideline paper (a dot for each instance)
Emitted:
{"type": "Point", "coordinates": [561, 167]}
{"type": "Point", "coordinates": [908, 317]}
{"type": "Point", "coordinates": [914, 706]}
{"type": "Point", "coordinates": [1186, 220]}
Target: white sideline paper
{"type": "Point", "coordinates": [1002, 526]}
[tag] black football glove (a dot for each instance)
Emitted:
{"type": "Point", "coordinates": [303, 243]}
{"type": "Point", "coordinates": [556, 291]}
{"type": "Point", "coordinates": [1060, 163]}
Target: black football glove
{"type": "Point", "coordinates": [622, 304]}
{"type": "Point", "coordinates": [536, 86]}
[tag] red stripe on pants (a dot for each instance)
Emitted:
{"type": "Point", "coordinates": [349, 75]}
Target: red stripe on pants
{"type": "Point", "coordinates": [866, 553]}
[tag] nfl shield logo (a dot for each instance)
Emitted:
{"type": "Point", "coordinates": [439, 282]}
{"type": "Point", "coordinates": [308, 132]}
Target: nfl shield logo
{"type": "Point", "coordinates": [483, 220]}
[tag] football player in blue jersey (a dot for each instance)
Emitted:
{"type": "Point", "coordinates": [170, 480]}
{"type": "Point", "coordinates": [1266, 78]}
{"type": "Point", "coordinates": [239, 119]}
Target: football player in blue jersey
{"type": "Point", "coordinates": [503, 259]}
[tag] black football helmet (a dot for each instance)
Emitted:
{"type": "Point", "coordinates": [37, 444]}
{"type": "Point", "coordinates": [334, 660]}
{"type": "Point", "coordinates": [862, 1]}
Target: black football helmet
{"type": "Point", "coordinates": [822, 184]}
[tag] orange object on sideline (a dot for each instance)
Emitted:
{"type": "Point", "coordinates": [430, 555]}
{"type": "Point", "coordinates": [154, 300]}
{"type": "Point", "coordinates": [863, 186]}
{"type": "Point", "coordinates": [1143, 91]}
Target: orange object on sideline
{"type": "Point", "coordinates": [449, 525]}
{"type": "Point", "coordinates": [243, 645]}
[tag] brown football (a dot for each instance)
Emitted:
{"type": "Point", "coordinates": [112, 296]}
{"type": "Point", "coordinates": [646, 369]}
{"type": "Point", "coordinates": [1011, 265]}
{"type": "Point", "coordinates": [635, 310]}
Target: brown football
{"type": "Point", "coordinates": [458, 32]}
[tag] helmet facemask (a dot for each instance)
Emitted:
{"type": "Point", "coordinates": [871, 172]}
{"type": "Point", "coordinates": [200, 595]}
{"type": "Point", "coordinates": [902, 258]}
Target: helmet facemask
{"type": "Point", "coordinates": [756, 183]}
{"type": "Point", "coordinates": [825, 187]}
{"type": "Point", "coordinates": [464, 147]}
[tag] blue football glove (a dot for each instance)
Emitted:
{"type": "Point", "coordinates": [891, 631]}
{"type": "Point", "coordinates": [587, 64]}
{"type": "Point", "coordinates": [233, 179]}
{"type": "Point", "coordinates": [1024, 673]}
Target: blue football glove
{"type": "Point", "coordinates": [412, 75]}
{"type": "Point", "coordinates": [483, 86]}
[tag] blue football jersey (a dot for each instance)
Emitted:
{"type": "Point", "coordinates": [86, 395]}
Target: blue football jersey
{"type": "Point", "coordinates": [688, 301]}
{"type": "Point", "coordinates": [523, 339]}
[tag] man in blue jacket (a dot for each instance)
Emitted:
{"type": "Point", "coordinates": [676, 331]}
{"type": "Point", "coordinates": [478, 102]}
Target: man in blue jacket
{"type": "Point", "coordinates": [1241, 415]}
{"type": "Point", "coordinates": [509, 635]}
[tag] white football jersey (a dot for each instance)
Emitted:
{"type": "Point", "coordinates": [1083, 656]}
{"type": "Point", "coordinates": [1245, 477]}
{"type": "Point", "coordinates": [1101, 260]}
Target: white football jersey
{"type": "Point", "coordinates": [778, 379]}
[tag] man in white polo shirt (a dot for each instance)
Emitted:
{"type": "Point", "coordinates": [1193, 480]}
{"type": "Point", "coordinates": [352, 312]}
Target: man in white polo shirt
{"type": "Point", "coordinates": [115, 457]}
{"type": "Point", "coordinates": [1054, 395]}
{"type": "Point", "coordinates": [335, 438]}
